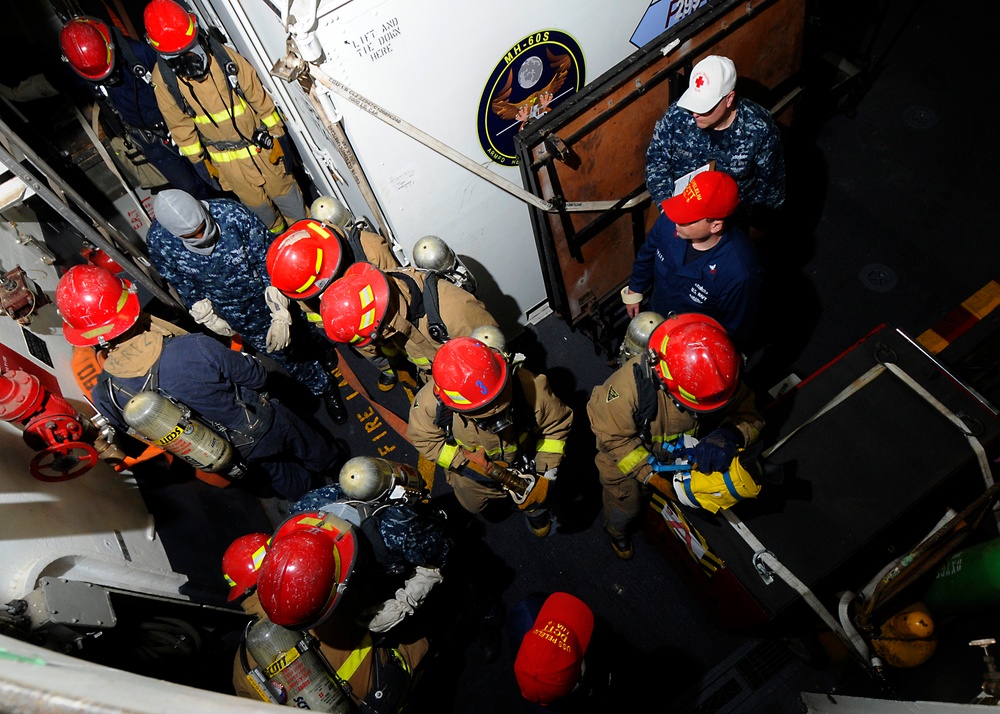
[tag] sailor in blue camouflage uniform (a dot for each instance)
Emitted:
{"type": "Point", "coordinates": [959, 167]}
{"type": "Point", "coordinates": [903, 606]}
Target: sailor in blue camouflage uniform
{"type": "Point", "coordinates": [709, 122]}
{"type": "Point", "coordinates": [213, 252]}
{"type": "Point", "coordinates": [388, 503]}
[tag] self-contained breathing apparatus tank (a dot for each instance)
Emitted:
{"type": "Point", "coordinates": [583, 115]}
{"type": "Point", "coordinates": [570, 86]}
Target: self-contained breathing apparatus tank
{"type": "Point", "coordinates": [328, 209]}
{"type": "Point", "coordinates": [366, 478]}
{"type": "Point", "coordinates": [169, 427]}
{"type": "Point", "coordinates": [291, 671]}
{"type": "Point", "coordinates": [432, 253]}
{"type": "Point", "coordinates": [637, 335]}
{"type": "Point", "coordinates": [491, 337]}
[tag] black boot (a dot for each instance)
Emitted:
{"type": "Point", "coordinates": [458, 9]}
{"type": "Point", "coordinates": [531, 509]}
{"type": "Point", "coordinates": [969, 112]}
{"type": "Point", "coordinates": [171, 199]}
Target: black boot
{"type": "Point", "coordinates": [335, 405]}
{"type": "Point", "coordinates": [329, 360]}
{"type": "Point", "coordinates": [622, 545]}
{"type": "Point", "coordinates": [387, 380]}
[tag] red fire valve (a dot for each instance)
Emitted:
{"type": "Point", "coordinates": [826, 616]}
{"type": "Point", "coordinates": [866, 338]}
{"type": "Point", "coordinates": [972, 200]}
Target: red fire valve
{"type": "Point", "coordinates": [51, 427]}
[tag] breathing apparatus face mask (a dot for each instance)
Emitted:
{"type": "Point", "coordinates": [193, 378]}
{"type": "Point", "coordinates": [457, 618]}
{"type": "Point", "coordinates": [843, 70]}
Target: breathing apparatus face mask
{"type": "Point", "coordinates": [192, 64]}
{"type": "Point", "coordinates": [497, 421]}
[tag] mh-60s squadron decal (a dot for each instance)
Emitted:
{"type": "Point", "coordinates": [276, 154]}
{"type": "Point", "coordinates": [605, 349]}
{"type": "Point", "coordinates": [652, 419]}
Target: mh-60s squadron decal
{"type": "Point", "coordinates": [537, 73]}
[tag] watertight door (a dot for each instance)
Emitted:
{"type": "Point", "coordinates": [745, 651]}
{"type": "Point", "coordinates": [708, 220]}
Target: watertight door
{"type": "Point", "coordinates": [593, 147]}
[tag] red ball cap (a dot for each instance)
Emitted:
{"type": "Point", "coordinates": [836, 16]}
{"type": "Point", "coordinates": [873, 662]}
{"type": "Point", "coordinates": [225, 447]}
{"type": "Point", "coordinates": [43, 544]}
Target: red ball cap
{"type": "Point", "coordinates": [710, 194]}
{"type": "Point", "coordinates": [548, 663]}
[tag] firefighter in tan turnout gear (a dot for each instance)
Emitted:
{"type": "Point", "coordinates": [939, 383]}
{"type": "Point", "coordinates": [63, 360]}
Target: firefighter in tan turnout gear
{"type": "Point", "coordinates": [409, 310]}
{"type": "Point", "coordinates": [479, 412]}
{"type": "Point", "coordinates": [687, 383]}
{"type": "Point", "coordinates": [305, 260]}
{"type": "Point", "coordinates": [219, 114]}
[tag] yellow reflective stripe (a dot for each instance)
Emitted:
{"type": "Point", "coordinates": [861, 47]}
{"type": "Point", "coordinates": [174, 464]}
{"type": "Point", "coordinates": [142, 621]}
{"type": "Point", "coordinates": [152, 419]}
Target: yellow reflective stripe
{"type": "Point", "coordinates": [419, 361]}
{"type": "Point", "coordinates": [354, 660]}
{"type": "Point", "coordinates": [232, 583]}
{"type": "Point", "coordinates": [660, 439]}
{"type": "Point", "coordinates": [456, 396]}
{"type": "Point", "coordinates": [319, 260]}
{"type": "Point", "coordinates": [634, 458]}
{"type": "Point", "coordinates": [234, 154]}
{"type": "Point", "coordinates": [447, 455]}
{"type": "Point", "coordinates": [551, 446]}
{"type": "Point", "coordinates": [272, 120]}
{"type": "Point", "coordinates": [258, 557]}
{"type": "Point", "coordinates": [190, 149]}
{"type": "Point", "coordinates": [501, 451]}
{"type": "Point", "coordinates": [398, 656]}
{"type": "Point", "coordinates": [225, 114]}
{"type": "Point", "coordinates": [305, 286]}
{"type": "Point", "coordinates": [314, 317]}
{"type": "Point", "coordinates": [321, 230]}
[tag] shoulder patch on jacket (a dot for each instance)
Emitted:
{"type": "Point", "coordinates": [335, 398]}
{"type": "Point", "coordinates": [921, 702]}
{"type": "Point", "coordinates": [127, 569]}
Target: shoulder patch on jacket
{"type": "Point", "coordinates": [612, 395]}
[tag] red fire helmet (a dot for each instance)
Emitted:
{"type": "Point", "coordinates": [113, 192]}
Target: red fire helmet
{"type": "Point", "coordinates": [305, 572]}
{"type": "Point", "coordinates": [696, 361]}
{"type": "Point", "coordinates": [303, 260]}
{"type": "Point", "coordinates": [468, 374]}
{"type": "Point", "coordinates": [95, 305]}
{"type": "Point", "coordinates": [354, 306]}
{"type": "Point", "coordinates": [87, 45]}
{"type": "Point", "coordinates": [170, 28]}
{"type": "Point", "coordinates": [241, 561]}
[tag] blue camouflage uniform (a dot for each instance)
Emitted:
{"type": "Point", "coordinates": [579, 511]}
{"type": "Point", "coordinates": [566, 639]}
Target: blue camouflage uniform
{"type": "Point", "coordinates": [208, 378]}
{"type": "Point", "coordinates": [134, 105]}
{"type": "Point", "coordinates": [749, 150]}
{"type": "Point", "coordinates": [234, 277]}
{"type": "Point", "coordinates": [408, 535]}
{"type": "Point", "coordinates": [723, 283]}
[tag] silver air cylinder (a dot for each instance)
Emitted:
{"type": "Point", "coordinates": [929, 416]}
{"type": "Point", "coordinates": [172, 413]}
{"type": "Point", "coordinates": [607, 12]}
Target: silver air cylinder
{"type": "Point", "coordinates": [292, 670]}
{"type": "Point", "coordinates": [162, 422]}
{"type": "Point", "coordinates": [491, 337]}
{"type": "Point", "coordinates": [637, 335]}
{"type": "Point", "coordinates": [432, 253]}
{"type": "Point", "coordinates": [365, 478]}
{"type": "Point", "coordinates": [329, 210]}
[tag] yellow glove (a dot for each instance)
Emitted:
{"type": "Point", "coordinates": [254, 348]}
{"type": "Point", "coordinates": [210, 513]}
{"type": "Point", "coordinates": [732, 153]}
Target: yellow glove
{"type": "Point", "coordinates": [537, 495]}
{"type": "Point", "coordinates": [276, 153]}
{"type": "Point", "coordinates": [212, 171]}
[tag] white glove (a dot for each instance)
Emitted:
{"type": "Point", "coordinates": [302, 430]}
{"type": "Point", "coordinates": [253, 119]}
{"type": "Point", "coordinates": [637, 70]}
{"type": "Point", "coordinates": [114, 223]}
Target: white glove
{"type": "Point", "coordinates": [408, 598]}
{"type": "Point", "coordinates": [203, 313]}
{"type": "Point", "coordinates": [279, 334]}
{"type": "Point", "coordinates": [551, 474]}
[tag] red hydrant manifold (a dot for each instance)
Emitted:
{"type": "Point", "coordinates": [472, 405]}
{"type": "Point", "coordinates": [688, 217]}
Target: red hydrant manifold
{"type": "Point", "coordinates": [51, 426]}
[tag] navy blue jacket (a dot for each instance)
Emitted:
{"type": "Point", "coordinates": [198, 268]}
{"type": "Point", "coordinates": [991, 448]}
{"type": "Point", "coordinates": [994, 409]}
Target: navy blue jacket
{"type": "Point", "coordinates": [133, 97]}
{"type": "Point", "coordinates": [199, 372]}
{"type": "Point", "coordinates": [724, 282]}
